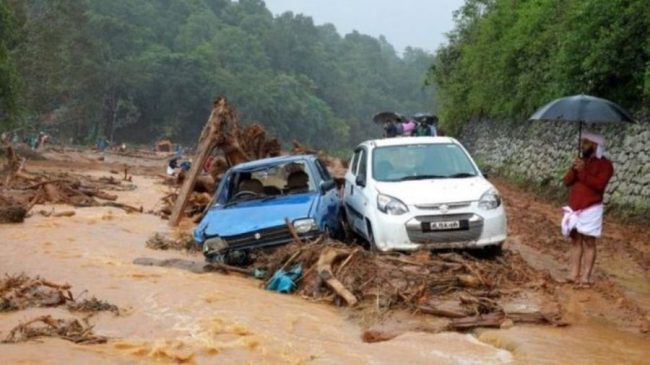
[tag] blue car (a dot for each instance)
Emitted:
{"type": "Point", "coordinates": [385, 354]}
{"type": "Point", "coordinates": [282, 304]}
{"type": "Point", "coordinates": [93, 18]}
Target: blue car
{"type": "Point", "coordinates": [255, 199]}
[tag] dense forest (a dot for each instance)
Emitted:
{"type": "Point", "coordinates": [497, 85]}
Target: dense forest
{"type": "Point", "coordinates": [505, 58]}
{"type": "Point", "coordinates": [140, 70]}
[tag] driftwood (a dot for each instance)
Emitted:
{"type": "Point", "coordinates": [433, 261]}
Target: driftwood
{"type": "Point", "coordinates": [440, 312]}
{"type": "Point", "coordinates": [497, 319]}
{"type": "Point", "coordinates": [324, 268]}
{"type": "Point", "coordinates": [71, 330]}
{"type": "Point", "coordinates": [127, 208]}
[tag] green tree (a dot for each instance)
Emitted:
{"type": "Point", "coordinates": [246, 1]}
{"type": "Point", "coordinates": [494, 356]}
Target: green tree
{"type": "Point", "coordinates": [8, 79]}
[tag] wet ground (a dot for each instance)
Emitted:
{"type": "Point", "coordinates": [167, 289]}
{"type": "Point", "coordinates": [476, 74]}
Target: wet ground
{"type": "Point", "coordinates": [171, 315]}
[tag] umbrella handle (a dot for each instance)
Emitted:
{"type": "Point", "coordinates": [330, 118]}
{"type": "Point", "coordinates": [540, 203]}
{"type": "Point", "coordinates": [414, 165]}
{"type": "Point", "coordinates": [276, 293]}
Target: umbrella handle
{"type": "Point", "coordinates": [580, 139]}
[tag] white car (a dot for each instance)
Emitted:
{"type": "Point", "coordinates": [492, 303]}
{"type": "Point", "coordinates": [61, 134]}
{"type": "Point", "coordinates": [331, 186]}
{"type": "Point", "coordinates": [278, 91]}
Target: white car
{"type": "Point", "coordinates": [421, 192]}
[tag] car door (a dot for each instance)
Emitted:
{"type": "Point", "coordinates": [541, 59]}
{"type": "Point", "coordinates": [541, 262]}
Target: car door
{"type": "Point", "coordinates": [355, 182]}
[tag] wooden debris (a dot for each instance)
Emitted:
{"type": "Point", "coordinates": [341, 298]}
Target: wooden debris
{"type": "Point", "coordinates": [324, 268]}
{"type": "Point", "coordinates": [57, 188]}
{"type": "Point", "coordinates": [46, 326]}
{"type": "Point", "coordinates": [160, 241]}
{"type": "Point", "coordinates": [442, 284]}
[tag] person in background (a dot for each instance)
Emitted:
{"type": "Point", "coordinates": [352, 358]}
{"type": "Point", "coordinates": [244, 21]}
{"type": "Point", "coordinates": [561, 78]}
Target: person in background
{"type": "Point", "coordinates": [392, 129]}
{"type": "Point", "coordinates": [408, 127]}
{"type": "Point", "coordinates": [583, 217]}
{"type": "Point", "coordinates": [432, 126]}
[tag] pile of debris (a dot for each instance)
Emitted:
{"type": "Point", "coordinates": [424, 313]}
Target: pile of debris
{"type": "Point", "coordinates": [224, 142]}
{"type": "Point", "coordinates": [470, 291]}
{"type": "Point", "coordinates": [20, 190]}
{"type": "Point", "coordinates": [71, 330]}
{"type": "Point", "coordinates": [20, 292]}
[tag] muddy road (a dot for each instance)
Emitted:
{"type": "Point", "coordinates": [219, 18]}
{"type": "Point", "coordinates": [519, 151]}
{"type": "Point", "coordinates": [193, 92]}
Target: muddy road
{"type": "Point", "coordinates": [170, 315]}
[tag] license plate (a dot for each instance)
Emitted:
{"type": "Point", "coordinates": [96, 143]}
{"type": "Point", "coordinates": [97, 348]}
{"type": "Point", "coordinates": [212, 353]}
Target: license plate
{"type": "Point", "coordinates": [441, 226]}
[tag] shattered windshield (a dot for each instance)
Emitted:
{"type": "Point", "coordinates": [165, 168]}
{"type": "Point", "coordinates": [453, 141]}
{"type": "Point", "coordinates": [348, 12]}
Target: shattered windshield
{"type": "Point", "coordinates": [421, 161]}
{"type": "Point", "coordinates": [270, 182]}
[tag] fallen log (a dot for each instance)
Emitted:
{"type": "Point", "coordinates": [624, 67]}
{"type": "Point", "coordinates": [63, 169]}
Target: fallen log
{"type": "Point", "coordinates": [127, 208]}
{"type": "Point", "coordinates": [496, 319]}
{"type": "Point", "coordinates": [324, 269]}
{"type": "Point", "coordinates": [440, 312]}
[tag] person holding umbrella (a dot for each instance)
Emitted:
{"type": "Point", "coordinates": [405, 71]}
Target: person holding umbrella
{"type": "Point", "coordinates": [587, 177]}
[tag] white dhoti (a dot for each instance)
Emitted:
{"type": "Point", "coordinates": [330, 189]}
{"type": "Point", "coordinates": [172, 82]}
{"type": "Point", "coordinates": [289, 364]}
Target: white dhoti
{"type": "Point", "coordinates": [588, 221]}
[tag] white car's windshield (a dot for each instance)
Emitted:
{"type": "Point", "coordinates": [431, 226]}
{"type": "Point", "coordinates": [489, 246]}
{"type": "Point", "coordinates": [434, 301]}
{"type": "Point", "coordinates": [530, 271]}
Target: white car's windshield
{"type": "Point", "coordinates": [421, 161]}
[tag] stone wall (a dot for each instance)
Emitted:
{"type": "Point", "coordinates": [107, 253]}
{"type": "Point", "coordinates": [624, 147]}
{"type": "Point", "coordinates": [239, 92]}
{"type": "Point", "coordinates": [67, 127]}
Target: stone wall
{"type": "Point", "coordinates": [540, 153]}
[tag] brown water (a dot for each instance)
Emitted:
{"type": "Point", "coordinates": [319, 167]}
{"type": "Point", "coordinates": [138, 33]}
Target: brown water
{"type": "Point", "coordinates": [175, 316]}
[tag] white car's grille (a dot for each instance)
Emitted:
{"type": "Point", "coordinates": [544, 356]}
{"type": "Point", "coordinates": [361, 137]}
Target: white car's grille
{"type": "Point", "coordinates": [443, 206]}
{"type": "Point", "coordinates": [470, 228]}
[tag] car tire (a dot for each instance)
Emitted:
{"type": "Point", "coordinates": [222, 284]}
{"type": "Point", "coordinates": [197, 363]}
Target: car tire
{"type": "Point", "coordinates": [372, 246]}
{"type": "Point", "coordinates": [215, 259]}
{"type": "Point", "coordinates": [493, 250]}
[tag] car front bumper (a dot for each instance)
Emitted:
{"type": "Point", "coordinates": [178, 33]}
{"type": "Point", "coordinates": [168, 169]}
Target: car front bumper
{"type": "Point", "coordinates": [479, 228]}
{"type": "Point", "coordinates": [268, 237]}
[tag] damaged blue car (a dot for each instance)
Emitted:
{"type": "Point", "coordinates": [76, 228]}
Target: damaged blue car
{"type": "Point", "coordinates": [255, 200]}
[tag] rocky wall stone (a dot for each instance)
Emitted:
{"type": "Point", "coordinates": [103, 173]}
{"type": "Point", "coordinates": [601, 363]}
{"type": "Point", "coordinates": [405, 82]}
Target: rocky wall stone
{"type": "Point", "coordinates": [541, 152]}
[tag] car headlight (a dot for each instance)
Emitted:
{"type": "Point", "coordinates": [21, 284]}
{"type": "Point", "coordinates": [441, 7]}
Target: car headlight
{"type": "Point", "coordinates": [490, 200]}
{"type": "Point", "coordinates": [304, 225]}
{"type": "Point", "coordinates": [214, 244]}
{"type": "Point", "coordinates": [390, 205]}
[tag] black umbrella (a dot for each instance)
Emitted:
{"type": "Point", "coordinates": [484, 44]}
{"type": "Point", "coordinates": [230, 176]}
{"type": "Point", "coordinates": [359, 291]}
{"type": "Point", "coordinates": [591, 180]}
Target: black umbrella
{"type": "Point", "coordinates": [385, 117]}
{"type": "Point", "coordinates": [582, 109]}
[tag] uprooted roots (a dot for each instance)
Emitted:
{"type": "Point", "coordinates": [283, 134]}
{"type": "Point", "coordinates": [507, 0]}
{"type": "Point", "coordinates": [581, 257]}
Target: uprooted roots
{"type": "Point", "coordinates": [45, 326]}
{"type": "Point", "coordinates": [21, 292]}
{"type": "Point", "coordinates": [458, 286]}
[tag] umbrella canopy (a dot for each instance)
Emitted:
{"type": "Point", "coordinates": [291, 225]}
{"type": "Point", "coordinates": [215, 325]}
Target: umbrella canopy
{"type": "Point", "coordinates": [425, 118]}
{"type": "Point", "coordinates": [583, 108]}
{"type": "Point", "coordinates": [385, 117]}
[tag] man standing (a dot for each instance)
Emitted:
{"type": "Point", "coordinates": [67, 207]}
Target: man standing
{"type": "Point", "coordinates": [583, 218]}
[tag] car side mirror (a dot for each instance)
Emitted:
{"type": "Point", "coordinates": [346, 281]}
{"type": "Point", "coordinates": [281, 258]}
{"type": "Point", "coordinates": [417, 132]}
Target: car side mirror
{"type": "Point", "coordinates": [361, 180]}
{"type": "Point", "coordinates": [485, 175]}
{"type": "Point", "coordinates": [326, 186]}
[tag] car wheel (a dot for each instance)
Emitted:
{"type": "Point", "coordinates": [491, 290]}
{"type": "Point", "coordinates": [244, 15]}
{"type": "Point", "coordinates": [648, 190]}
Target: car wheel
{"type": "Point", "coordinates": [215, 259]}
{"type": "Point", "coordinates": [493, 250]}
{"type": "Point", "coordinates": [372, 246]}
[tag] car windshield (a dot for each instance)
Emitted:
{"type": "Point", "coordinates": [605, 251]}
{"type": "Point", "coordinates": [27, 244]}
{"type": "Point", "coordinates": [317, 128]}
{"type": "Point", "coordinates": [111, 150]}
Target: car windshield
{"type": "Point", "coordinates": [421, 161]}
{"type": "Point", "coordinates": [270, 182]}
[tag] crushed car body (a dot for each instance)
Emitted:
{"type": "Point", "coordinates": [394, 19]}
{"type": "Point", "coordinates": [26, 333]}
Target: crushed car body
{"type": "Point", "coordinates": [255, 200]}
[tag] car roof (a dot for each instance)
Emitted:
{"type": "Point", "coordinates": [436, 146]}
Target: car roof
{"type": "Point", "coordinates": [397, 141]}
{"type": "Point", "coordinates": [253, 165]}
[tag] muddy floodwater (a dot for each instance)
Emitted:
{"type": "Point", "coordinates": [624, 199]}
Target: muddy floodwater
{"type": "Point", "coordinates": [171, 315]}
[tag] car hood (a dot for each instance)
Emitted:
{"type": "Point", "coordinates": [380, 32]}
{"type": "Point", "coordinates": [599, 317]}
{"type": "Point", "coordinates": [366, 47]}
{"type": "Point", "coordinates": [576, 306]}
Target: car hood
{"type": "Point", "coordinates": [436, 191]}
{"type": "Point", "coordinates": [254, 215]}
